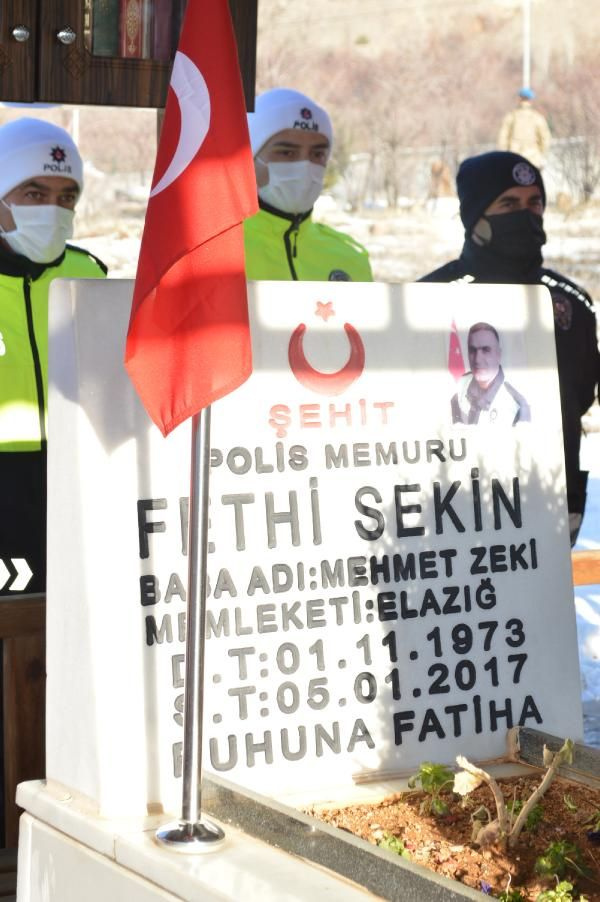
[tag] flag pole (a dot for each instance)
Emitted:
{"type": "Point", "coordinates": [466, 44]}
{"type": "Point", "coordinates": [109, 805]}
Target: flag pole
{"type": "Point", "coordinates": [191, 833]}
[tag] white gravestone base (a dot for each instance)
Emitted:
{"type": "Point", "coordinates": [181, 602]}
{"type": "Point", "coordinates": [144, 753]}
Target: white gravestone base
{"type": "Point", "coordinates": [67, 854]}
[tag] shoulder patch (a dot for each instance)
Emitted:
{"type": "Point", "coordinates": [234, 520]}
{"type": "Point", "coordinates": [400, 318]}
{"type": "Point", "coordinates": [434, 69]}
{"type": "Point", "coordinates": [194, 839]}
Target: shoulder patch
{"type": "Point", "coordinates": [563, 310]}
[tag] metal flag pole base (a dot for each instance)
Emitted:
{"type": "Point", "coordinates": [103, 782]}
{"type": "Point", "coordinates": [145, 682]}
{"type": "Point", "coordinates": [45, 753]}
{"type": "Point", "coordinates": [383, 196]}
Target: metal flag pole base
{"type": "Point", "coordinates": [204, 836]}
{"type": "Point", "coordinates": [191, 833]}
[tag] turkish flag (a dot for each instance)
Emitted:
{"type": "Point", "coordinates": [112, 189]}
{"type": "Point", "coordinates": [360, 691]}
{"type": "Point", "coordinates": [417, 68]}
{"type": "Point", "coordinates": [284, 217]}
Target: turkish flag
{"type": "Point", "coordinates": [456, 363]}
{"type": "Point", "coordinates": [188, 342]}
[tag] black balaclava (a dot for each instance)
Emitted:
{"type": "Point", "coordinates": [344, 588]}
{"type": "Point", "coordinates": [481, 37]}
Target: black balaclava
{"type": "Point", "coordinates": [503, 247]}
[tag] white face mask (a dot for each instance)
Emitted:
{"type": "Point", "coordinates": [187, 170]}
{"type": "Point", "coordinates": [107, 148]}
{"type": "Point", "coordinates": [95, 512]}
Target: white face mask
{"type": "Point", "coordinates": [41, 231]}
{"type": "Point", "coordinates": [292, 187]}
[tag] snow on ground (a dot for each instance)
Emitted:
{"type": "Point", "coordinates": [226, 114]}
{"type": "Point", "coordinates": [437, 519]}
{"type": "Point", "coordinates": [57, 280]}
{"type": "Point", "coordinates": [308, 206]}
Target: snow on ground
{"type": "Point", "coordinates": [118, 252]}
{"type": "Point", "coordinates": [402, 247]}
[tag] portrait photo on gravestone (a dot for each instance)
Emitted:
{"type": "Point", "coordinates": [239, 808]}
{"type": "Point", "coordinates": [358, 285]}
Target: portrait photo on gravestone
{"type": "Point", "coordinates": [386, 583]}
{"type": "Point", "coordinates": [483, 394]}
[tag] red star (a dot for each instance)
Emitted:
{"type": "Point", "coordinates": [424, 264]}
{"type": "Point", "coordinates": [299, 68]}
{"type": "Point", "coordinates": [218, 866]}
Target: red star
{"type": "Point", "coordinates": [325, 310]}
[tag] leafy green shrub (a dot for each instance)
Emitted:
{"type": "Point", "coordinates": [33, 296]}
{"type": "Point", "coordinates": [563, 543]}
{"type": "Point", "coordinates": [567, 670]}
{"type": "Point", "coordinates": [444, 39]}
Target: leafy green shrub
{"type": "Point", "coordinates": [432, 778]}
{"type": "Point", "coordinates": [559, 859]}
{"type": "Point", "coordinates": [562, 893]}
{"type": "Point", "coordinates": [511, 895]}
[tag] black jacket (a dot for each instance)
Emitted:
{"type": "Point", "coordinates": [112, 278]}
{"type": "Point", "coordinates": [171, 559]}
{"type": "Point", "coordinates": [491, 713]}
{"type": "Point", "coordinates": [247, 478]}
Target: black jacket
{"type": "Point", "coordinates": [577, 353]}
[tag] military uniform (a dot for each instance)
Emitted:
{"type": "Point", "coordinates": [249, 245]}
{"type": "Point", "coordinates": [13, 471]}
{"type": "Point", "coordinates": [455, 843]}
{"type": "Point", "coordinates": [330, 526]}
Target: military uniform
{"type": "Point", "coordinates": [525, 131]}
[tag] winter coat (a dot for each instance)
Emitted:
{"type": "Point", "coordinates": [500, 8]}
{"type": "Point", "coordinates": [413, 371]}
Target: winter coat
{"type": "Point", "coordinates": [525, 131]}
{"type": "Point", "coordinates": [24, 398]}
{"type": "Point", "coordinates": [578, 359]}
{"type": "Point", "coordinates": [293, 247]}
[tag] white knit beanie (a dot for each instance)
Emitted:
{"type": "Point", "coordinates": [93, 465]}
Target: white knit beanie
{"type": "Point", "coordinates": [30, 148]}
{"type": "Point", "coordinates": [283, 108]}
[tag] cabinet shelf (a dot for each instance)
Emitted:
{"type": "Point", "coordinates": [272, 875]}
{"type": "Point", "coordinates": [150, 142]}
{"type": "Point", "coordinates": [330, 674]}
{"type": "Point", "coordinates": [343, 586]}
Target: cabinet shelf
{"type": "Point", "coordinates": [105, 52]}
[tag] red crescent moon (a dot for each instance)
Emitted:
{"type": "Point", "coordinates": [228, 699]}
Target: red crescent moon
{"type": "Point", "coordinates": [326, 383]}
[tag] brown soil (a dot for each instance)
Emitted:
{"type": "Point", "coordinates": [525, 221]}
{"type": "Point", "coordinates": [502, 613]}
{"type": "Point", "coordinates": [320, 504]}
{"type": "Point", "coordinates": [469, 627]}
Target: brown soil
{"type": "Point", "coordinates": [444, 844]}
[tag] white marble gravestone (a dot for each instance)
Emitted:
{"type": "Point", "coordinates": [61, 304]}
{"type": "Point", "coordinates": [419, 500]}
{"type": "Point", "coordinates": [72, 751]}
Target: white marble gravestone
{"type": "Point", "coordinates": [386, 587]}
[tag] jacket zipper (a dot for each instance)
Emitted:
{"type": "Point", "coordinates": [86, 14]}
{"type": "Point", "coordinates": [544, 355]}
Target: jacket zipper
{"type": "Point", "coordinates": [35, 354]}
{"type": "Point", "coordinates": [291, 252]}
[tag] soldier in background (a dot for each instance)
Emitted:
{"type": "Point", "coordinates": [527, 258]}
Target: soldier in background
{"type": "Point", "coordinates": [525, 131]}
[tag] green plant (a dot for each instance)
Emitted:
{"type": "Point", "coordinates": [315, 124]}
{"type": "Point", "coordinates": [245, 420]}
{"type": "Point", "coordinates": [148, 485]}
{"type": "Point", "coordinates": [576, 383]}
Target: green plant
{"type": "Point", "coordinates": [569, 803]}
{"type": "Point", "coordinates": [534, 817]}
{"type": "Point", "coordinates": [432, 778]}
{"type": "Point", "coordinates": [511, 895]}
{"type": "Point", "coordinates": [394, 844]}
{"type": "Point", "coordinates": [562, 893]}
{"type": "Point", "coordinates": [593, 822]}
{"type": "Point", "coordinates": [559, 859]}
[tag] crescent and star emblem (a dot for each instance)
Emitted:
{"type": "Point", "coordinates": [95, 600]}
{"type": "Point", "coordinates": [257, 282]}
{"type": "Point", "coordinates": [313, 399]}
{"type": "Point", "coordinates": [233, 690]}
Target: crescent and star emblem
{"type": "Point", "coordinates": [315, 380]}
{"type": "Point", "coordinates": [192, 95]}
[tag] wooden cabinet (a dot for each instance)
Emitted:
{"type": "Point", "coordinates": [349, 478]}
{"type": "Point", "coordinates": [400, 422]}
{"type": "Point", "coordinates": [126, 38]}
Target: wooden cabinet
{"type": "Point", "coordinates": [113, 52]}
{"type": "Point", "coordinates": [17, 55]}
{"type": "Point", "coordinates": [22, 697]}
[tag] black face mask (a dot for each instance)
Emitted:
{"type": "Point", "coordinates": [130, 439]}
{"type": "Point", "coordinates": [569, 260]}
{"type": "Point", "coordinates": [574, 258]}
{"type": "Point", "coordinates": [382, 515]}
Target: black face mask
{"type": "Point", "coordinates": [516, 236]}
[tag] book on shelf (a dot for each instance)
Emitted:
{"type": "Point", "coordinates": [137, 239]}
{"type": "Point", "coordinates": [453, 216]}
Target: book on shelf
{"type": "Point", "coordinates": [168, 19]}
{"type": "Point", "coordinates": [162, 30]}
{"type": "Point", "coordinates": [136, 28]}
{"type": "Point", "coordinates": [104, 24]}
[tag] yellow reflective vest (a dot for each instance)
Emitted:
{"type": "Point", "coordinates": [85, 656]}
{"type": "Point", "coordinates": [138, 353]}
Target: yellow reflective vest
{"type": "Point", "coordinates": [24, 343]}
{"type": "Point", "coordinates": [284, 246]}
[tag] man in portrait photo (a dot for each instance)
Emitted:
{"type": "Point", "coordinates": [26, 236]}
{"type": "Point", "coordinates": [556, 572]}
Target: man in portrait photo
{"type": "Point", "coordinates": [483, 395]}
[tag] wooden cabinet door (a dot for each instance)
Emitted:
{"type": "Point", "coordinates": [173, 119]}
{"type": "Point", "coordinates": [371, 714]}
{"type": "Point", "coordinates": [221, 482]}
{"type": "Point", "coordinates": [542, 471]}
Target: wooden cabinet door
{"type": "Point", "coordinates": [18, 18]}
{"type": "Point", "coordinates": [105, 51]}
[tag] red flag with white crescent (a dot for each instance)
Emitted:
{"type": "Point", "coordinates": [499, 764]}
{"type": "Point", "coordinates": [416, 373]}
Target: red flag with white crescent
{"type": "Point", "coordinates": [456, 363]}
{"type": "Point", "coordinates": [188, 342]}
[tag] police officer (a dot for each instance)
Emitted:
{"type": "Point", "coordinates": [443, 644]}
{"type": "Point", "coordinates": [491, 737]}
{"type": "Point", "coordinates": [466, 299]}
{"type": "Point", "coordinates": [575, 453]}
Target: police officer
{"type": "Point", "coordinates": [291, 139]}
{"type": "Point", "coordinates": [41, 179]}
{"type": "Point", "coordinates": [502, 200]}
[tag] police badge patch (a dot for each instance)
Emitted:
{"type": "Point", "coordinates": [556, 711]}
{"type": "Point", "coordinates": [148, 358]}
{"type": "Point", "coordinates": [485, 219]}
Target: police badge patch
{"type": "Point", "coordinates": [338, 275]}
{"type": "Point", "coordinates": [523, 174]}
{"type": "Point", "coordinates": [563, 311]}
